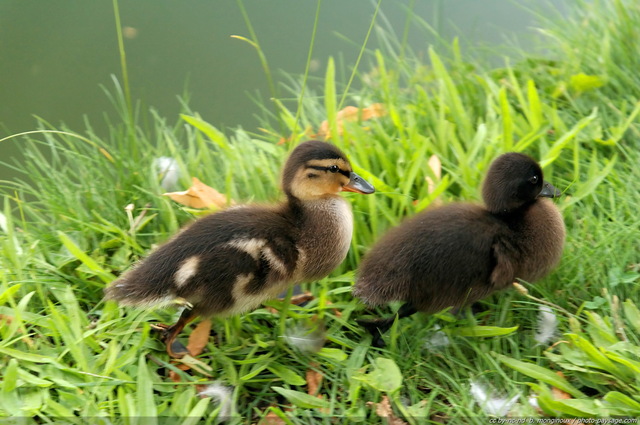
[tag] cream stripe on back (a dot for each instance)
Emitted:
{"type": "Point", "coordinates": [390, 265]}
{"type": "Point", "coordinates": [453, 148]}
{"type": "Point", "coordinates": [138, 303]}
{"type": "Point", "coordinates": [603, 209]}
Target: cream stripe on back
{"type": "Point", "coordinates": [253, 246]}
{"type": "Point", "coordinates": [188, 268]}
{"type": "Point", "coordinates": [274, 261]}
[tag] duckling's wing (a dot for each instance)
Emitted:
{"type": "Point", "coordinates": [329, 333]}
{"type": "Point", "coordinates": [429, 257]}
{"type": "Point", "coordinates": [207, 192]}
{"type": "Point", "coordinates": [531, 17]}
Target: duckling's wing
{"type": "Point", "coordinates": [503, 273]}
{"type": "Point", "coordinates": [226, 262]}
{"type": "Point", "coordinates": [440, 258]}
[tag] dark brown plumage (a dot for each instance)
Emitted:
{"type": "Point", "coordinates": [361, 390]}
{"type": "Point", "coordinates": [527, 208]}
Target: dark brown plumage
{"type": "Point", "coordinates": [454, 255]}
{"type": "Point", "coordinates": [231, 261]}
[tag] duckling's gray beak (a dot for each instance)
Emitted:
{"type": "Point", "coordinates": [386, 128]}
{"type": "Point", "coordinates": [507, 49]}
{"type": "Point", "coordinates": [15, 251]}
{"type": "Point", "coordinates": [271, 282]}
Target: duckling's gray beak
{"type": "Point", "coordinates": [358, 184]}
{"type": "Point", "coordinates": [549, 191]}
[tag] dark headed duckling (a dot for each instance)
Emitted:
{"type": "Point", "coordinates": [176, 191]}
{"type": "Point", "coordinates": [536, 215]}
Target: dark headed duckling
{"type": "Point", "coordinates": [454, 255]}
{"type": "Point", "coordinates": [231, 261]}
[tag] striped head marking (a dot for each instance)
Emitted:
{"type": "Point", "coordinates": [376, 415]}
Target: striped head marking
{"type": "Point", "coordinates": [317, 169]}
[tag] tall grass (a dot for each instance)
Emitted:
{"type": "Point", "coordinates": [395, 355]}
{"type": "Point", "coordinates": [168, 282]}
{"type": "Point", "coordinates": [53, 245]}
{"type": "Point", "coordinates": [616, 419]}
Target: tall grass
{"type": "Point", "coordinates": [79, 213]}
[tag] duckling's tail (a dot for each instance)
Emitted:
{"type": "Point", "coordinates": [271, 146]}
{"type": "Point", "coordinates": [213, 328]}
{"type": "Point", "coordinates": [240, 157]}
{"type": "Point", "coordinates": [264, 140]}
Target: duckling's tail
{"type": "Point", "coordinates": [131, 291]}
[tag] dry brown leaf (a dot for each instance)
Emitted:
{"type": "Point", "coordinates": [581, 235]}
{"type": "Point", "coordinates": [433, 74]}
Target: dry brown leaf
{"type": "Point", "coordinates": [436, 167]}
{"type": "Point", "coordinates": [384, 410]}
{"type": "Point", "coordinates": [174, 376]}
{"type": "Point", "coordinates": [324, 410]}
{"type": "Point", "coordinates": [200, 388]}
{"type": "Point", "coordinates": [295, 300]}
{"type": "Point", "coordinates": [336, 312]}
{"type": "Point", "coordinates": [189, 362]}
{"type": "Point", "coordinates": [307, 132]}
{"type": "Point", "coordinates": [351, 114]}
{"type": "Point", "coordinates": [199, 338]}
{"type": "Point", "coordinates": [272, 419]}
{"type": "Point", "coordinates": [302, 298]}
{"type": "Point", "coordinates": [314, 380]}
{"type": "Point", "coordinates": [374, 111]}
{"type": "Point", "coordinates": [199, 195]}
{"type": "Point", "coordinates": [558, 394]}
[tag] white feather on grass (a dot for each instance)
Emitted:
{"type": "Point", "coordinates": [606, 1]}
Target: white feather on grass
{"type": "Point", "coordinates": [3, 223]}
{"type": "Point", "coordinates": [168, 169]}
{"type": "Point", "coordinates": [547, 325]}
{"type": "Point", "coordinates": [221, 395]}
{"type": "Point", "coordinates": [306, 338]}
{"type": "Point", "coordinates": [533, 402]}
{"type": "Point", "coordinates": [491, 405]}
{"type": "Point", "coordinates": [437, 340]}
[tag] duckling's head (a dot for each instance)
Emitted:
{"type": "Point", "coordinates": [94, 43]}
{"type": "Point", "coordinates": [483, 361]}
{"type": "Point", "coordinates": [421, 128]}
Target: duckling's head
{"type": "Point", "coordinates": [318, 170]}
{"type": "Point", "coordinates": [513, 181]}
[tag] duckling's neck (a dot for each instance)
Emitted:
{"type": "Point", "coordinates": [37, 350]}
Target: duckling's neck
{"type": "Point", "coordinates": [326, 227]}
{"type": "Point", "coordinates": [512, 214]}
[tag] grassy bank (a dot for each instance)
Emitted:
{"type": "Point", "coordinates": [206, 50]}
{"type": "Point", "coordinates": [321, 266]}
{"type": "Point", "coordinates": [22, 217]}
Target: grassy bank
{"type": "Point", "coordinates": [84, 208]}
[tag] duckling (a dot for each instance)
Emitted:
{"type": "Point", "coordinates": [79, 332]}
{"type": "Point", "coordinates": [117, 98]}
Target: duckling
{"type": "Point", "coordinates": [231, 261]}
{"type": "Point", "coordinates": [457, 254]}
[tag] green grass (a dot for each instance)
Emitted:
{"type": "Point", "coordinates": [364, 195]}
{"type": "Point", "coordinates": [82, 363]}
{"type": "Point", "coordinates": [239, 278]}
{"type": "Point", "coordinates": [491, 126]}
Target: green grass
{"type": "Point", "coordinates": [65, 233]}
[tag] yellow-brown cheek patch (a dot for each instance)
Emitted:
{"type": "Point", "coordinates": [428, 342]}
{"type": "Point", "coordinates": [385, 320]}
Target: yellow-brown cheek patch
{"type": "Point", "coordinates": [302, 185]}
{"type": "Point", "coordinates": [323, 183]}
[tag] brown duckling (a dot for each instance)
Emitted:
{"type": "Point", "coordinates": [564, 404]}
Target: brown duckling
{"type": "Point", "coordinates": [457, 254]}
{"type": "Point", "coordinates": [231, 261]}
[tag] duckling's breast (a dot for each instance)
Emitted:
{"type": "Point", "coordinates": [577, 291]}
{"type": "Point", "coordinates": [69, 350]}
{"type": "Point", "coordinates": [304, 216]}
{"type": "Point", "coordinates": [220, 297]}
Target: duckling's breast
{"type": "Point", "coordinates": [541, 240]}
{"type": "Point", "coordinates": [326, 237]}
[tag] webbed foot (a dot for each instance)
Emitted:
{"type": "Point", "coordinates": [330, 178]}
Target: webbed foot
{"type": "Point", "coordinates": [169, 334]}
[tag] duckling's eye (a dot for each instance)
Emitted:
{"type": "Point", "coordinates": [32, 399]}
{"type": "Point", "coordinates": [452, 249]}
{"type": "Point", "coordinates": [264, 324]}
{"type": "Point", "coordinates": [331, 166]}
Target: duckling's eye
{"type": "Point", "coordinates": [334, 169]}
{"type": "Point", "coordinates": [533, 180]}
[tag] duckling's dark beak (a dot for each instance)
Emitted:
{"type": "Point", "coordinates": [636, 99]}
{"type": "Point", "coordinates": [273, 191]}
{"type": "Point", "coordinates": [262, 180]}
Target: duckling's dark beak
{"type": "Point", "coordinates": [358, 184]}
{"type": "Point", "coordinates": [549, 191]}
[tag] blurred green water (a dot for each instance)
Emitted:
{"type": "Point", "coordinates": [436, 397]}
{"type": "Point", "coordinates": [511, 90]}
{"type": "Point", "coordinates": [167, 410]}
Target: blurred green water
{"type": "Point", "coordinates": [56, 54]}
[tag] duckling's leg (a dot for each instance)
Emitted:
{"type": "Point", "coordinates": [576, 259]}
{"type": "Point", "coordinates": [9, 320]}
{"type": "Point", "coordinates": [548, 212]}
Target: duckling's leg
{"type": "Point", "coordinates": [379, 326]}
{"type": "Point", "coordinates": [169, 335]}
{"type": "Point", "coordinates": [475, 308]}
